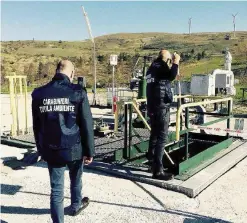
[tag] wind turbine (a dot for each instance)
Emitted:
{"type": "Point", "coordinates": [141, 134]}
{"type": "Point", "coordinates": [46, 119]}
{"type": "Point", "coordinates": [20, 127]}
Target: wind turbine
{"type": "Point", "coordinates": [234, 23]}
{"type": "Point", "coordinates": [189, 24]}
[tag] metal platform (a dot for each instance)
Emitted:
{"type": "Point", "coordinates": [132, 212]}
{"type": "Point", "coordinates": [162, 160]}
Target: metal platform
{"type": "Point", "coordinates": [191, 183]}
{"type": "Point", "coordinates": [104, 147]}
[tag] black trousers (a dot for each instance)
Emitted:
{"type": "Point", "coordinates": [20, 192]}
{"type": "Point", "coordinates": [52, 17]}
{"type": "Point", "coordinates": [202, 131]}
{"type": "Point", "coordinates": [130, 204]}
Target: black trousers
{"type": "Point", "coordinates": [159, 121]}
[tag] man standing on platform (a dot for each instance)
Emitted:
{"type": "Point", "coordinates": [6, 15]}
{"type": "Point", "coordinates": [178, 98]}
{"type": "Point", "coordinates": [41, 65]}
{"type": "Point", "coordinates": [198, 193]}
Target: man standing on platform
{"type": "Point", "coordinates": [162, 71]}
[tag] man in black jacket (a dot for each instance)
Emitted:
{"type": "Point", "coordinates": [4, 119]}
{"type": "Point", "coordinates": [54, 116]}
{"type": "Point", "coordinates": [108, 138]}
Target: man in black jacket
{"type": "Point", "coordinates": [162, 71]}
{"type": "Point", "coordinates": [63, 131]}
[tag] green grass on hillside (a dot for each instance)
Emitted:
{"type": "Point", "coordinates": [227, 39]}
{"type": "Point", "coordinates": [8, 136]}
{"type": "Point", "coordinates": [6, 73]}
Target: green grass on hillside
{"type": "Point", "coordinates": [18, 56]}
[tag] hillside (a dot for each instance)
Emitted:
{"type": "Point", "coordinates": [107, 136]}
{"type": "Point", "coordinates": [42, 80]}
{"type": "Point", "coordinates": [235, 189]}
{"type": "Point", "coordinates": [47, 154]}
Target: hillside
{"type": "Point", "coordinates": [201, 53]}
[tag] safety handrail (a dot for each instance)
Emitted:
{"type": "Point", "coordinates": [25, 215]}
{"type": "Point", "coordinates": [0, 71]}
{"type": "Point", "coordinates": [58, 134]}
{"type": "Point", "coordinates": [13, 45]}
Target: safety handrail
{"type": "Point", "coordinates": [146, 124]}
{"type": "Point", "coordinates": [180, 109]}
{"type": "Point", "coordinates": [184, 96]}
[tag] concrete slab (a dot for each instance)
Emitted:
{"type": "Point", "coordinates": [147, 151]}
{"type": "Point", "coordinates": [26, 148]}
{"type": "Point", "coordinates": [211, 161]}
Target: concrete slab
{"type": "Point", "coordinates": [204, 178]}
{"type": "Point", "coordinates": [191, 187]}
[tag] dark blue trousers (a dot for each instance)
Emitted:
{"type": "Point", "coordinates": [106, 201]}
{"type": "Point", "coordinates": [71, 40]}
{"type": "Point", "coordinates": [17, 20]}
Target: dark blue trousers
{"type": "Point", "coordinates": [56, 173]}
{"type": "Point", "coordinates": [159, 121]}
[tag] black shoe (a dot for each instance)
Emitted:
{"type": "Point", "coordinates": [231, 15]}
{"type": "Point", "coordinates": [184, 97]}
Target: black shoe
{"type": "Point", "coordinates": [163, 176]}
{"type": "Point", "coordinates": [84, 203]}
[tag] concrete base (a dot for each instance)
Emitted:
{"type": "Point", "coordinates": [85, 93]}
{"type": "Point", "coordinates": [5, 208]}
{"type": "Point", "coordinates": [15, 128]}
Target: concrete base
{"type": "Point", "coordinates": [190, 187]}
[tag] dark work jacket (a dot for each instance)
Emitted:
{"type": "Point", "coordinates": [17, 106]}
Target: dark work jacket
{"type": "Point", "coordinates": [159, 77]}
{"type": "Point", "coordinates": [62, 121]}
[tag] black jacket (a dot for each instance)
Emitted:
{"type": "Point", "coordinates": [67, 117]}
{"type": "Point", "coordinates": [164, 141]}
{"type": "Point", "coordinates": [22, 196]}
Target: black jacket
{"type": "Point", "coordinates": [62, 121]}
{"type": "Point", "coordinates": [159, 77]}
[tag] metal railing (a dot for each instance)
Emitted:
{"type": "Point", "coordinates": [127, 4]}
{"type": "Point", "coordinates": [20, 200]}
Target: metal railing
{"type": "Point", "coordinates": [128, 110]}
{"type": "Point", "coordinates": [13, 93]}
{"type": "Point", "coordinates": [188, 105]}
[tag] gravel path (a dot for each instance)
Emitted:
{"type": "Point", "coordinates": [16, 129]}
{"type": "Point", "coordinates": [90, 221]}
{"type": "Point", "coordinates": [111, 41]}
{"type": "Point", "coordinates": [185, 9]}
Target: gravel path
{"type": "Point", "coordinates": [25, 197]}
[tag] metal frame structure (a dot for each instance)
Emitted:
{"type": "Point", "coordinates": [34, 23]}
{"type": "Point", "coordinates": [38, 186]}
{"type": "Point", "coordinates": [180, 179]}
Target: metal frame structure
{"type": "Point", "coordinates": [178, 141]}
{"type": "Point", "coordinates": [13, 82]}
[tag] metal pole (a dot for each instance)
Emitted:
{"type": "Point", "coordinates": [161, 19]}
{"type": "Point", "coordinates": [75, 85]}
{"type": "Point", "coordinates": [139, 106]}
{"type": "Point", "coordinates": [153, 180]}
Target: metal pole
{"type": "Point", "coordinates": [125, 152]}
{"type": "Point", "coordinates": [229, 113]}
{"type": "Point", "coordinates": [12, 106]}
{"type": "Point", "coordinates": [130, 130]}
{"type": "Point", "coordinates": [25, 99]}
{"type": "Point", "coordinates": [94, 53]}
{"type": "Point", "coordinates": [116, 117]}
{"type": "Point", "coordinates": [113, 70]}
{"type": "Point", "coordinates": [17, 105]}
{"type": "Point", "coordinates": [95, 80]}
{"type": "Point", "coordinates": [179, 98]}
{"type": "Point", "coordinates": [21, 99]}
{"type": "Point", "coordinates": [187, 134]}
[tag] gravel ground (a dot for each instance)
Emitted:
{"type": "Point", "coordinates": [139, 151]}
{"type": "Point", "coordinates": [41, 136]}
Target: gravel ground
{"type": "Point", "coordinates": [25, 196]}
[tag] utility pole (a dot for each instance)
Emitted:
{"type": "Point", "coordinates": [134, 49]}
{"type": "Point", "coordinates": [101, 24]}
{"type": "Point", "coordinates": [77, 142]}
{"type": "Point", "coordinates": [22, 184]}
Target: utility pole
{"type": "Point", "coordinates": [234, 24]}
{"type": "Point", "coordinates": [113, 62]}
{"type": "Point", "coordinates": [189, 25]}
{"type": "Point", "coordinates": [94, 54]}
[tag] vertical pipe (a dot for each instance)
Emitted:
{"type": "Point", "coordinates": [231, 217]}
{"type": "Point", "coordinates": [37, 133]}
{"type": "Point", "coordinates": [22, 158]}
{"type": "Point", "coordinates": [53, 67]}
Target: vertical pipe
{"type": "Point", "coordinates": [187, 134]}
{"type": "Point", "coordinates": [25, 102]}
{"type": "Point", "coordinates": [229, 105]}
{"type": "Point", "coordinates": [116, 117]}
{"type": "Point", "coordinates": [215, 104]}
{"type": "Point", "coordinates": [125, 131]}
{"type": "Point", "coordinates": [16, 105]}
{"type": "Point", "coordinates": [21, 102]}
{"type": "Point", "coordinates": [181, 115]}
{"type": "Point", "coordinates": [181, 121]}
{"type": "Point", "coordinates": [113, 88]}
{"type": "Point", "coordinates": [130, 129]}
{"type": "Point", "coordinates": [12, 106]}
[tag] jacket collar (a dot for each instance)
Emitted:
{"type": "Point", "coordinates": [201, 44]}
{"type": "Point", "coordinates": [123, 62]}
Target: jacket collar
{"type": "Point", "coordinates": [61, 77]}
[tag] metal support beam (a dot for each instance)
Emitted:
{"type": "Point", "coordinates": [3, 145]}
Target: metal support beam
{"type": "Point", "coordinates": [130, 129]}
{"type": "Point", "coordinates": [229, 106]}
{"type": "Point", "coordinates": [187, 133]}
{"type": "Point", "coordinates": [125, 155]}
